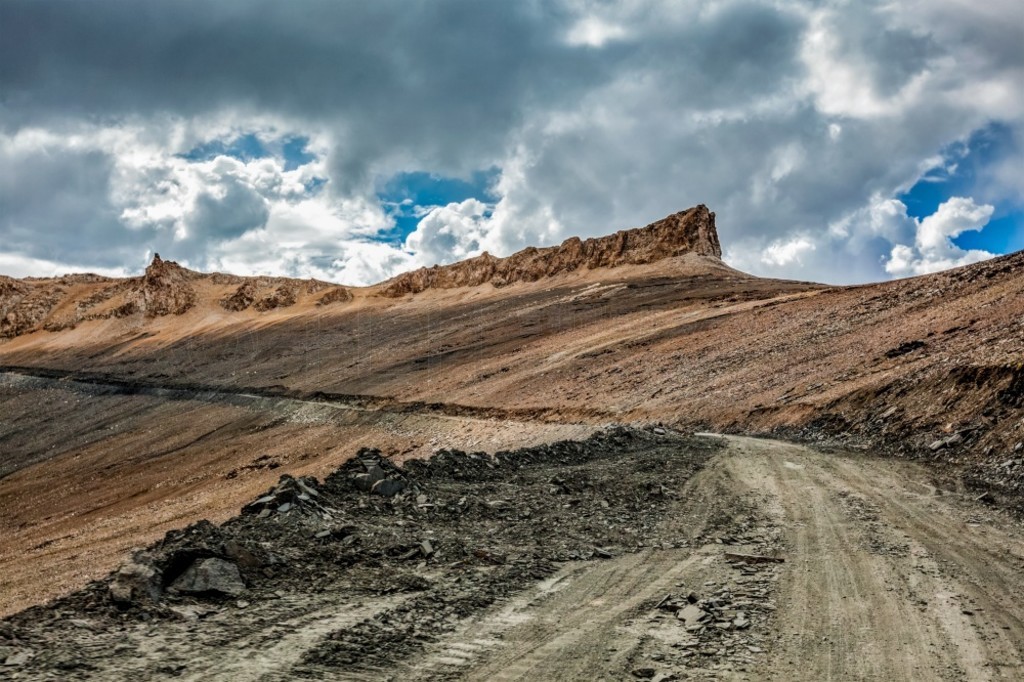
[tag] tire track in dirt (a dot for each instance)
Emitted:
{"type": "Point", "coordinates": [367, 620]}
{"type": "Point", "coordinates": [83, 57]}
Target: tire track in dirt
{"type": "Point", "coordinates": [853, 603]}
{"type": "Point", "coordinates": [564, 628]}
{"type": "Point", "coordinates": [983, 567]}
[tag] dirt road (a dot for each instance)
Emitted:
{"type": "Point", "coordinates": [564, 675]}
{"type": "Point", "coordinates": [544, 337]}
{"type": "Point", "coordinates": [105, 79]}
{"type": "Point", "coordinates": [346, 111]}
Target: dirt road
{"type": "Point", "coordinates": [883, 577]}
{"type": "Point", "coordinates": [886, 578]}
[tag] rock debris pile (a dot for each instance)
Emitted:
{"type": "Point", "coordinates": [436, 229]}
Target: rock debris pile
{"type": "Point", "coordinates": [721, 621]}
{"type": "Point", "coordinates": [436, 540]}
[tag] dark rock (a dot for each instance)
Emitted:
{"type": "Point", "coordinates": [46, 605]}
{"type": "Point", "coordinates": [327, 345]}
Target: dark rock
{"type": "Point", "coordinates": [210, 575]}
{"type": "Point", "coordinates": [374, 474]}
{"type": "Point", "coordinates": [387, 487]}
{"type": "Point", "coordinates": [904, 348]}
{"type": "Point", "coordinates": [241, 555]}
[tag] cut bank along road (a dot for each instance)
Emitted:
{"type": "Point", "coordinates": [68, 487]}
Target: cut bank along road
{"type": "Point", "coordinates": [886, 578]}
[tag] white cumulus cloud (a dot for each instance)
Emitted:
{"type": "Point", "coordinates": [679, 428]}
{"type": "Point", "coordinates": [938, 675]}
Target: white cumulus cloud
{"type": "Point", "coordinates": [933, 247]}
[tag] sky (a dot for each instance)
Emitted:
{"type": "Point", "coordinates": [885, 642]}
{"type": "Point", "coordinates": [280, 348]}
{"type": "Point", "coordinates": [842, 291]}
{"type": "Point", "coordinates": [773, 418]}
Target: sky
{"type": "Point", "coordinates": [841, 142]}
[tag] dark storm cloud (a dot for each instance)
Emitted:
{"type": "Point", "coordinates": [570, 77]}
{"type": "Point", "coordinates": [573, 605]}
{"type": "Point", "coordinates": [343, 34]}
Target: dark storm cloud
{"type": "Point", "coordinates": [58, 205]}
{"type": "Point", "coordinates": [438, 76]}
{"type": "Point", "coordinates": [785, 117]}
{"type": "Point", "coordinates": [238, 209]}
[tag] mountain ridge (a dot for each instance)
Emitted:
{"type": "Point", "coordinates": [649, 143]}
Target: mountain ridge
{"type": "Point", "coordinates": [169, 289]}
{"type": "Point", "coordinates": [691, 231]}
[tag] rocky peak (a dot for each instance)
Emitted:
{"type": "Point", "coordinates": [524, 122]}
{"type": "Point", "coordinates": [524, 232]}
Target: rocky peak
{"type": "Point", "coordinates": [687, 232]}
{"type": "Point", "coordinates": [166, 288]}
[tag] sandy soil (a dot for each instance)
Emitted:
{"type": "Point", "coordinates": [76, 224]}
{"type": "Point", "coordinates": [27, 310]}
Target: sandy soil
{"type": "Point", "coordinates": [92, 471]}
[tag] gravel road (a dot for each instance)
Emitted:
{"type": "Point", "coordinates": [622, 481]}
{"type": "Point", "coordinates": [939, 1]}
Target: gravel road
{"type": "Point", "coordinates": [882, 576]}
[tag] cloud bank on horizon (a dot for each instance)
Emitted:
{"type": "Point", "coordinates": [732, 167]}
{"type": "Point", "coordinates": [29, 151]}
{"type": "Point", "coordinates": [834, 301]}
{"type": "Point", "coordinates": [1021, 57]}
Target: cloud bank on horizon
{"type": "Point", "coordinates": [837, 141]}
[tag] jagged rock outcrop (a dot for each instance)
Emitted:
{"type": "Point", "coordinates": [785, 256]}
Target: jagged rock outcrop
{"type": "Point", "coordinates": [243, 297]}
{"type": "Point", "coordinates": [54, 304]}
{"type": "Point", "coordinates": [691, 231]}
{"type": "Point", "coordinates": [268, 293]}
{"type": "Point", "coordinates": [24, 306]}
{"type": "Point", "coordinates": [335, 295]}
{"type": "Point", "coordinates": [167, 289]}
{"type": "Point", "coordinates": [282, 297]}
{"type": "Point", "coordinates": [10, 288]}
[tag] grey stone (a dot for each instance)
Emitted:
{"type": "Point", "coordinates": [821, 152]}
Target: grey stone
{"type": "Point", "coordinates": [374, 474]}
{"type": "Point", "coordinates": [388, 487]}
{"type": "Point", "coordinates": [191, 612]}
{"type": "Point", "coordinates": [135, 581]}
{"type": "Point", "coordinates": [307, 489]}
{"type": "Point", "coordinates": [211, 575]}
{"type": "Point", "coordinates": [691, 615]}
{"type": "Point", "coordinates": [18, 658]}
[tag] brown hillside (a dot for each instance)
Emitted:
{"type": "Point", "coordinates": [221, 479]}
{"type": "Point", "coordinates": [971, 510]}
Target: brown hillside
{"type": "Point", "coordinates": [182, 416]}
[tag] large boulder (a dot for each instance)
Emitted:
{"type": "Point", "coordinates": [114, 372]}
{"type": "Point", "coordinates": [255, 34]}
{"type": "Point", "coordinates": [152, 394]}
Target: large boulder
{"type": "Point", "coordinates": [135, 581]}
{"type": "Point", "coordinates": [210, 576]}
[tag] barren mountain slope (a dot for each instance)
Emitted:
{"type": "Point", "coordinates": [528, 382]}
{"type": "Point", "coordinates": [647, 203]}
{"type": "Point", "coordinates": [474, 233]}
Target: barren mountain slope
{"type": "Point", "coordinates": [929, 366]}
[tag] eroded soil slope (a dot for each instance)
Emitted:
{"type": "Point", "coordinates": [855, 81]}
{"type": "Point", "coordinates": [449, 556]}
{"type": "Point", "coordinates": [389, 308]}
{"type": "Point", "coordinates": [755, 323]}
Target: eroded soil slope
{"type": "Point", "coordinates": [115, 428]}
{"type": "Point", "coordinates": [91, 471]}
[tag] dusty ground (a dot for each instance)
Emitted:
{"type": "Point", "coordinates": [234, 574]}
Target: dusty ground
{"type": "Point", "coordinates": [173, 405]}
{"type": "Point", "coordinates": [119, 423]}
{"type": "Point", "coordinates": [91, 471]}
{"type": "Point", "coordinates": [589, 572]}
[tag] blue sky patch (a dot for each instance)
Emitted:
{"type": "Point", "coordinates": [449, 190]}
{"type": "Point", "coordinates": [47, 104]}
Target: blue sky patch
{"type": "Point", "coordinates": [1005, 231]}
{"type": "Point", "coordinates": [295, 154]}
{"type": "Point", "coordinates": [404, 195]}
{"type": "Point", "coordinates": [314, 185]}
{"type": "Point", "coordinates": [293, 150]}
{"type": "Point", "coordinates": [244, 148]}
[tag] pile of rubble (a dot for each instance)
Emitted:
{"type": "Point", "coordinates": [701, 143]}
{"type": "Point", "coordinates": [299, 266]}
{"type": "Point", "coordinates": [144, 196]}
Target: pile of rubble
{"type": "Point", "coordinates": [446, 537]}
{"type": "Point", "coordinates": [726, 624]}
{"type": "Point", "coordinates": [297, 496]}
{"type": "Point", "coordinates": [372, 472]}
